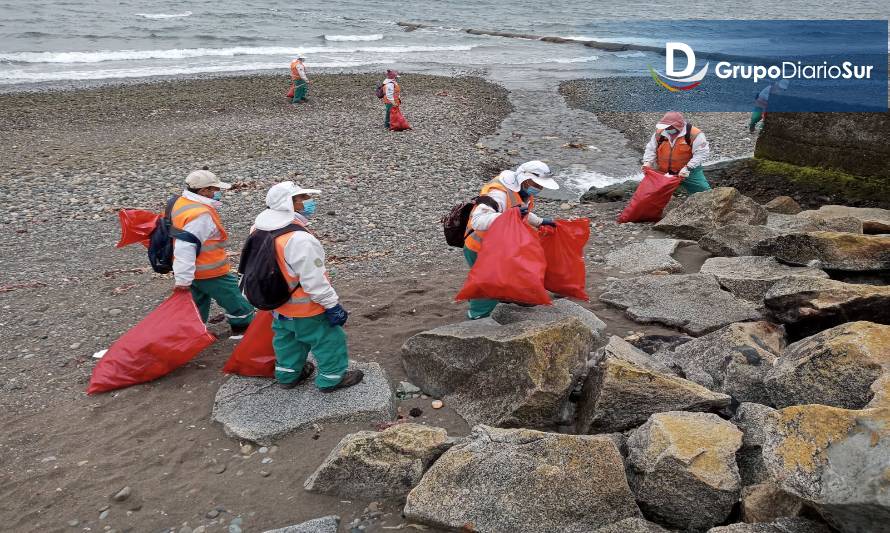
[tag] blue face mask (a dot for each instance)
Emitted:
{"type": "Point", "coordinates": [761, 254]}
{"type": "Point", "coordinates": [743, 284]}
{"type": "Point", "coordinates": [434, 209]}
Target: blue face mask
{"type": "Point", "coordinates": [532, 191]}
{"type": "Point", "coordinates": [308, 208]}
{"type": "Point", "coordinates": [672, 131]}
{"type": "Point", "coordinates": [217, 196]}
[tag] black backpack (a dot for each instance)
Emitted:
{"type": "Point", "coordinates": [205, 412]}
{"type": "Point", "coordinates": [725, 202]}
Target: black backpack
{"type": "Point", "coordinates": [262, 281]}
{"type": "Point", "coordinates": [454, 223]}
{"type": "Point", "coordinates": [160, 245]}
{"type": "Point", "coordinates": [379, 91]}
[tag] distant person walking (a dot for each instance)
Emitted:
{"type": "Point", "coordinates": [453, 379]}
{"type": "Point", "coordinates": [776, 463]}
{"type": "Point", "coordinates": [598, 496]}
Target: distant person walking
{"type": "Point", "coordinates": [392, 94]}
{"type": "Point", "coordinates": [677, 147]}
{"type": "Point", "coordinates": [300, 80]}
{"type": "Point", "coordinates": [761, 102]}
{"type": "Point", "coordinates": [204, 270]}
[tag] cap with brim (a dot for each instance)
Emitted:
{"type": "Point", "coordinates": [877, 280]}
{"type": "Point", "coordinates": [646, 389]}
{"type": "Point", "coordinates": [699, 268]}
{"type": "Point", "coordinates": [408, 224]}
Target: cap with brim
{"type": "Point", "coordinates": [543, 181]}
{"type": "Point", "coordinates": [204, 178]}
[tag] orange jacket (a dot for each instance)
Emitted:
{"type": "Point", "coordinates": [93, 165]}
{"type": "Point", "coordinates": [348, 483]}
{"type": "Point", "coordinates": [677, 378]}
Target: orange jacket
{"type": "Point", "coordinates": [296, 66]}
{"type": "Point", "coordinates": [672, 158]}
{"type": "Point", "coordinates": [300, 304]}
{"type": "Point", "coordinates": [473, 238]}
{"type": "Point", "coordinates": [392, 97]}
{"type": "Point", "coordinates": [211, 261]}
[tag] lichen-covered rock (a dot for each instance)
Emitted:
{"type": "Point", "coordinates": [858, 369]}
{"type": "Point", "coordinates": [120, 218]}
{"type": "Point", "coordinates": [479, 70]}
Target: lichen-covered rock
{"type": "Point", "coordinates": [833, 250]}
{"type": "Point", "coordinates": [627, 386]}
{"type": "Point", "coordinates": [838, 460]}
{"type": "Point", "coordinates": [733, 360]}
{"type": "Point", "coordinates": [754, 420]}
{"type": "Point", "coordinates": [706, 211]}
{"type": "Point", "coordinates": [506, 314]}
{"type": "Point", "coordinates": [648, 256]}
{"type": "Point", "coordinates": [735, 239]}
{"type": "Point", "coordinates": [682, 469]}
{"type": "Point", "coordinates": [801, 224]}
{"type": "Point", "coordinates": [519, 374]}
{"type": "Point", "coordinates": [783, 204]}
{"type": "Point", "coordinates": [371, 464]}
{"type": "Point", "coordinates": [873, 220]}
{"type": "Point", "coordinates": [500, 480]}
{"type": "Point", "coordinates": [837, 367]}
{"type": "Point", "coordinates": [782, 525]}
{"type": "Point", "coordinates": [766, 502]}
{"type": "Point", "coordinates": [694, 303]}
{"type": "Point", "coordinates": [632, 525]}
{"type": "Point", "coordinates": [810, 305]}
{"type": "Point", "coordinates": [750, 277]}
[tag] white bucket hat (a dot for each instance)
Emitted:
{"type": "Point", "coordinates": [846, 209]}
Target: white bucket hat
{"type": "Point", "coordinates": [204, 178]}
{"type": "Point", "coordinates": [538, 172]}
{"type": "Point", "coordinates": [281, 208]}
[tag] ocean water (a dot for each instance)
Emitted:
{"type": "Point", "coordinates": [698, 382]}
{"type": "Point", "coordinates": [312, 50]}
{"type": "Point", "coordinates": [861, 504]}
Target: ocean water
{"type": "Point", "coordinates": [78, 40]}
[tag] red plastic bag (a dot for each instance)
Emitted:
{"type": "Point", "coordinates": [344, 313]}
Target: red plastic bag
{"type": "Point", "coordinates": [397, 121]}
{"type": "Point", "coordinates": [254, 355]}
{"type": "Point", "coordinates": [511, 265]}
{"type": "Point", "coordinates": [564, 250]}
{"type": "Point", "coordinates": [651, 197]}
{"type": "Point", "coordinates": [136, 226]}
{"type": "Point", "coordinates": [290, 92]}
{"type": "Point", "coordinates": [169, 337]}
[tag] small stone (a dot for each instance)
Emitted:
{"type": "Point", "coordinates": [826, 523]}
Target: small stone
{"type": "Point", "coordinates": [104, 514]}
{"type": "Point", "coordinates": [264, 473]}
{"type": "Point", "coordinates": [74, 523]}
{"type": "Point", "coordinates": [246, 449]}
{"type": "Point", "coordinates": [75, 346]}
{"type": "Point", "coordinates": [49, 459]}
{"type": "Point", "coordinates": [213, 513]}
{"type": "Point", "coordinates": [104, 508]}
{"type": "Point", "coordinates": [220, 468]}
{"type": "Point", "coordinates": [114, 312]}
{"type": "Point", "coordinates": [263, 449]}
{"type": "Point", "coordinates": [266, 460]}
{"type": "Point", "coordinates": [233, 528]}
{"type": "Point", "coordinates": [186, 529]}
{"type": "Point", "coordinates": [437, 404]}
{"type": "Point", "coordinates": [122, 494]}
{"type": "Point", "coordinates": [199, 529]}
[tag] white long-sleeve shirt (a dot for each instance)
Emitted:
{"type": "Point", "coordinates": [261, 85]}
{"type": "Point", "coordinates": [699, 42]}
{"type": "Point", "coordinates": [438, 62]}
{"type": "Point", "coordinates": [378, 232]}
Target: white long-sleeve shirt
{"type": "Point", "coordinates": [700, 148]}
{"type": "Point", "coordinates": [185, 253]}
{"type": "Point", "coordinates": [305, 258]}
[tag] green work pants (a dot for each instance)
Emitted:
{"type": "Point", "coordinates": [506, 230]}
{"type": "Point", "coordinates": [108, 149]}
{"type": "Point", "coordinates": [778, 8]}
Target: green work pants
{"type": "Point", "coordinates": [223, 289]}
{"type": "Point", "coordinates": [295, 338]}
{"type": "Point", "coordinates": [386, 120]}
{"type": "Point", "coordinates": [695, 181]}
{"type": "Point", "coordinates": [478, 308]}
{"type": "Point", "coordinates": [301, 88]}
{"type": "Point", "coordinates": [756, 116]}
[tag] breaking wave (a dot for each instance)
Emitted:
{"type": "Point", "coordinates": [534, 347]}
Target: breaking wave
{"type": "Point", "coordinates": [164, 15]}
{"type": "Point", "coordinates": [350, 38]}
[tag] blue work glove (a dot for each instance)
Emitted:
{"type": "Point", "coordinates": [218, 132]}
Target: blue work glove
{"type": "Point", "coordinates": [336, 315]}
{"type": "Point", "coordinates": [548, 222]}
{"type": "Point", "coordinates": [522, 210]}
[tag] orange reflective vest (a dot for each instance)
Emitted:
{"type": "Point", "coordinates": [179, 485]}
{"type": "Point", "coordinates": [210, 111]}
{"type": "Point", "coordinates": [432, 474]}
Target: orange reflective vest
{"type": "Point", "coordinates": [473, 238]}
{"type": "Point", "coordinates": [396, 93]}
{"type": "Point", "coordinates": [211, 261]}
{"type": "Point", "coordinates": [294, 69]}
{"type": "Point", "coordinates": [672, 158]}
{"type": "Point", "coordinates": [300, 304]}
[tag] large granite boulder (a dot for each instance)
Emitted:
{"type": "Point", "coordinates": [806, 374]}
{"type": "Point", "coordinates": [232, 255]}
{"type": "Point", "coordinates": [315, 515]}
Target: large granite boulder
{"type": "Point", "coordinates": [873, 220]}
{"type": "Point", "coordinates": [371, 464]}
{"type": "Point", "coordinates": [785, 224]}
{"type": "Point", "coordinates": [627, 386]}
{"type": "Point", "coordinates": [837, 367]}
{"type": "Point", "coordinates": [506, 314]}
{"type": "Point", "coordinates": [810, 305]}
{"type": "Point", "coordinates": [750, 277]}
{"type": "Point", "coordinates": [255, 409]}
{"type": "Point", "coordinates": [785, 205]}
{"type": "Point", "coordinates": [782, 525]}
{"type": "Point", "coordinates": [499, 480]}
{"type": "Point", "coordinates": [326, 524]}
{"type": "Point", "coordinates": [837, 460]}
{"type": "Point", "coordinates": [693, 303]}
{"type": "Point", "coordinates": [632, 525]}
{"type": "Point", "coordinates": [735, 239]}
{"type": "Point", "coordinates": [733, 360]}
{"type": "Point", "coordinates": [766, 502]}
{"type": "Point", "coordinates": [754, 420]}
{"type": "Point", "coordinates": [517, 375]}
{"type": "Point", "coordinates": [682, 469]}
{"type": "Point", "coordinates": [833, 250]}
{"type": "Point", "coordinates": [648, 256]}
{"type": "Point", "coordinates": [706, 211]}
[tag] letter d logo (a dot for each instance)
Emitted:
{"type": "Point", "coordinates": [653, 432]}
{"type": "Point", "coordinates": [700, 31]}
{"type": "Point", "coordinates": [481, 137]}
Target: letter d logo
{"type": "Point", "coordinates": [670, 49]}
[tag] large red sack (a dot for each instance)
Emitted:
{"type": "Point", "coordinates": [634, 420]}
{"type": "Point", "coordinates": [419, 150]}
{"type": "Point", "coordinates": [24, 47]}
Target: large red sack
{"type": "Point", "coordinates": [136, 226]}
{"type": "Point", "coordinates": [169, 337]}
{"type": "Point", "coordinates": [254, 355]}
{"type": "Point", "coordinates": [397, 121]}
{"type": "Point", "coordinates": [651, 197]}
{"type": "Point", "coordinates": [290, 92]}
{"type": "Point", "coordinates": [564, 251]}
{"type": "Point", "coordinates": [511, 265]}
